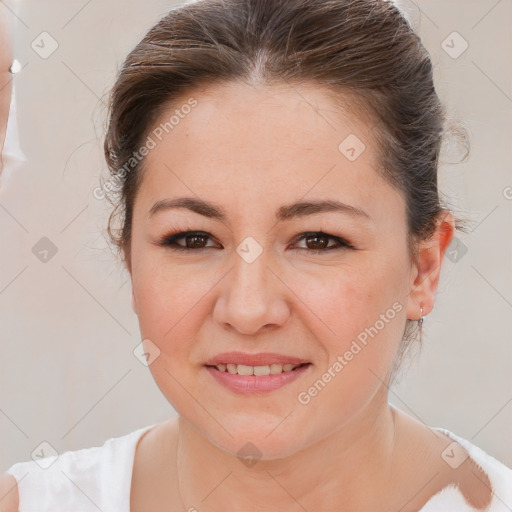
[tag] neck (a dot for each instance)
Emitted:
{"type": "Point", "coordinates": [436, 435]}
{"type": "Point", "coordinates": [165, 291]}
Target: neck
{"type": "Point", "coordinates": [332, 474]}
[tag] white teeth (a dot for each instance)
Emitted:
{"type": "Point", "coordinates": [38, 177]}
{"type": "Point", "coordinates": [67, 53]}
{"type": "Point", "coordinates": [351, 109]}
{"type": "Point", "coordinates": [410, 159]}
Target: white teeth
{"type": "Point", "coordinates": [262, 370]}
{"type": "Point", "coordinates": [276, 368]}
{"type": "Point", "coordinates": [243, 369]}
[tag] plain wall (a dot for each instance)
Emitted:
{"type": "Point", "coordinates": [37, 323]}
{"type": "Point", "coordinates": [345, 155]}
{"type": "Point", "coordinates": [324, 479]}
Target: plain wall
{"type": "Point", "coordinates": [67, 372]}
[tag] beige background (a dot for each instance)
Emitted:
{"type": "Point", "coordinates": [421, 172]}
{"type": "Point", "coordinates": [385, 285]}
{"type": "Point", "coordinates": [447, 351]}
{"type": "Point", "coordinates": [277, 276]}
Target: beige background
{"type": "Point", "coordinates": [67, 372]}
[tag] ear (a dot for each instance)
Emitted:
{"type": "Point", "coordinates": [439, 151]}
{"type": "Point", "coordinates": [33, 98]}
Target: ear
{"type": "Point", "coordinates": [426, 270]}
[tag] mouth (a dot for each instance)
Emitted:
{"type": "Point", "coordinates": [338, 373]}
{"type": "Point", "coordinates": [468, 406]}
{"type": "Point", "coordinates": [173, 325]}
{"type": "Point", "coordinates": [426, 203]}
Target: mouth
{"type": "Point", "coordinates": [247, 374]}
{"type": "Point", "coordinates": [259, 371]}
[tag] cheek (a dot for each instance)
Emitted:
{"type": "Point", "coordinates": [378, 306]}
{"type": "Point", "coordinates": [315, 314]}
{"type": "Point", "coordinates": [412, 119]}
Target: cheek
{"type": "Point", "coordinates": [359, 325]}
{"type": "Point", "coordinates": [350, 298]}
{"type": "Point", "coordinates": [171, 304]}
{"type": "Point", "coordinates": [165, 294]}
{"type": "Point", "coordinates": [358, 315]}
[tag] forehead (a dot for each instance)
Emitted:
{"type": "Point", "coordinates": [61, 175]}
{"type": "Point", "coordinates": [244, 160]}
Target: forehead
{"type": "Point", "coordinates": [263, 143]}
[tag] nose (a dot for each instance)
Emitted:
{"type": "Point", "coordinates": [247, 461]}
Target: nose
{"type": "Point", "coordinates": [252, 298]}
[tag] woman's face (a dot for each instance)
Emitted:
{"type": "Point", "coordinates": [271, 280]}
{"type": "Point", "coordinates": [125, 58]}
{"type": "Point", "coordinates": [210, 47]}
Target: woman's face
{"type": "Point", "coordinates": [251, 282]}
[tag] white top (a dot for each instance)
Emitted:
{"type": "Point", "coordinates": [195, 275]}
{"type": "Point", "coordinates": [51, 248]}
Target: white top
{"type": "Point", "coordinates": [87, 480]}
{"type": "Point", "coordinates": [99, 478]}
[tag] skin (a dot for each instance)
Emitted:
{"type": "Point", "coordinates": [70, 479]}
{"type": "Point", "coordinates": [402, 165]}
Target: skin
{"type": "Point", "coordinates": [250, 150]}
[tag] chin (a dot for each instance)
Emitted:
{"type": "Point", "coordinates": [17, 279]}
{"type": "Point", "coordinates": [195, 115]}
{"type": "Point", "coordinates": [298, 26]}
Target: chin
{"type": "Point", "coordinates": [253, 439]}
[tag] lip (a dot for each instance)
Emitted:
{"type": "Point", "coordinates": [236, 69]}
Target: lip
{"type": "Point", "coordinates": [258, 359]}
{"type": "Point", "coordinates": [253, 384]}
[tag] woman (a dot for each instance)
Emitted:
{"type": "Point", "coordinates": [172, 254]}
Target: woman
{"type": "Point", "coordinates": [274, 164]}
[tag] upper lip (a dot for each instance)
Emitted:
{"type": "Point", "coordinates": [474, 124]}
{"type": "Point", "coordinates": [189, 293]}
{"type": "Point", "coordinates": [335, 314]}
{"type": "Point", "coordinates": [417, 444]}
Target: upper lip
{"type": "Point", "coordinates": [259, 359]}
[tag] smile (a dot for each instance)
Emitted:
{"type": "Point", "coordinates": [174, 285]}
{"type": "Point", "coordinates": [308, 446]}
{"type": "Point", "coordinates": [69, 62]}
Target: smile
{"type": "Point", "coordinates": [248, 380]}
{"type": "Point", "coordinates": [242, 369]}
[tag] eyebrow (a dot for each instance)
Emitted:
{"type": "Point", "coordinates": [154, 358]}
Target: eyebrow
{"type": "Point", "coordinates": [284, 213]}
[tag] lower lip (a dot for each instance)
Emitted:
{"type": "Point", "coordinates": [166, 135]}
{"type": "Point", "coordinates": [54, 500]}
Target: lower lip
{"type": "Point", "coordinates": [251, 384]}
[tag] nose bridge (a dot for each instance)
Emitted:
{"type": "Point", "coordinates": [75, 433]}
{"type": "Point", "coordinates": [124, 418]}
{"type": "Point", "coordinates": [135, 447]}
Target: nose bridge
{"type": "Point", "coordinates": [249, 278]}
{"type": "Point", "coordinates": [251, 256]}
{"type": "Point", "coordinates": [249, 299]}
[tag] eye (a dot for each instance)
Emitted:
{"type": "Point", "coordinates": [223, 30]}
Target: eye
{"type": "Point", "coordinates": [196, 240]}
{"type": "Point", "coordinates": [320, 241]}
{"type": "Point", "coordinates": [193, 240]}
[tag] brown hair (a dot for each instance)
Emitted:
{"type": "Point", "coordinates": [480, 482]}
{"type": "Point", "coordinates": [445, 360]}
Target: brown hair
{"type": "Point", "coordinates": [362, 48]}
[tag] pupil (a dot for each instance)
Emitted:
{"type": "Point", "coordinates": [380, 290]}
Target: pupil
{"type": "Point", "coordinates": [318, 245]}
{"type": "Point", "coordinates": [195, 238]}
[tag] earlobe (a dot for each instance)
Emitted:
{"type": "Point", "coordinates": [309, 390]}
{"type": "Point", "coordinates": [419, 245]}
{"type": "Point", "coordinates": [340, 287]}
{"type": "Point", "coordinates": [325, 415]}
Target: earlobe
{"type": "Point", "coordinates": [427, 268]}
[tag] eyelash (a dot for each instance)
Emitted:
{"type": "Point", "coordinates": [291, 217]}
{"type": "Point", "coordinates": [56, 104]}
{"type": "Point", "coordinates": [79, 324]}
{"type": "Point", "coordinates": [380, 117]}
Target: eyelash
{"type": "Point", "coordinates": [170, 241]}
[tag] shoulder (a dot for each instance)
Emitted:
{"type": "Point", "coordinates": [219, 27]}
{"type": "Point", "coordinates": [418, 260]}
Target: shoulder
{"type": "Point", "coordinates": [498, 472]}
{"type": "Point", "coordinates": [462, 476]}
{"type": "Point", "coordinates": [76, 479]}
{"type": "Point", "coordinates": [9, 499]}
{"type": "Point", "coordinates": [483, 471]}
